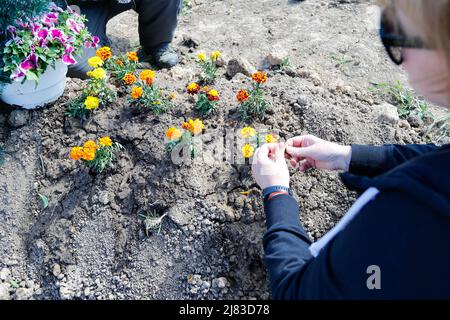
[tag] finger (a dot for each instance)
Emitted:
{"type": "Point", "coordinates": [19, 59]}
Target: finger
{"type": "Point", "coordinates": [261, 155]}
{"type": "Point", "coordinates": [306, 165]}
{"type": "Point", "coordinates": [293, 163]}
{"type": "Point", "coordinates": [296, 141]}
{"type": "Point", "coordinates": [300, 152]}
{"type": "Point", "coordinates": [279, 151]}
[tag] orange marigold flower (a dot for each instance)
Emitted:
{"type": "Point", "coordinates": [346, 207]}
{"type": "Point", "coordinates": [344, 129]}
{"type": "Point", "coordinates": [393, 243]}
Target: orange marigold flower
{"type": "Point", "coordinates": [213, 95]}
{"type": "Point", "coordinates": [104, 53]}
{"type": "Point", "coordinates": [242, 95]}
{"type": "Point", "coordinates": [119, 62]}
{"type": "Point", "coordinates": [148, 76]}
{"type": "Point", "coordinates": [90, 145]}
{"type": "Point", "coordinates": [173, 133]}
{"type": "Point", "coordinates": [136, 92]}
{"type": "Point", "coordinates": [193, 88]}
{"type": "Point", "coordinates": [194, 126]}
{"type": "Point", "coordinates": [259, 77]}
{"type": "Point", "coordinates": [76, 153]}
{"type": "Point", "coordinates": [129, 79]}
{"type": "Point", "coordinates": [132, 56]}
{"type": "Point", "coordinates": [89, 156]}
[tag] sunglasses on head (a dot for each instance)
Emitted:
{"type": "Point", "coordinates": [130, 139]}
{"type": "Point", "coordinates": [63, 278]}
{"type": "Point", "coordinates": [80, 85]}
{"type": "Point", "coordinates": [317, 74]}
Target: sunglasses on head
{"type": "Point", "coordinates": [395, 41]}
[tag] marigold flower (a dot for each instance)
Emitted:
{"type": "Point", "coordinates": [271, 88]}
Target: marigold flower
{"type": "Point", "coordinates": [136, 92]}
{"type": "Point", "coordinates": [132, 56]}
{"type": "Point", "coordinates": [148, 76]}
{"type": "Point", "coordinates": [215, 55]}
{"type": "Point", "coordinates": [213, 95]}
{"type": "Point", "coordinates": [104, 53]}
{"type": "Point", "coordinates": [194, 126]}
{"type": "Point", "coordinates": [97, 73]}
{"type": "Point", "coordinates": [193, 88]}
{"type": "Point", "coordinates": [201, 57]}
{"type": "Point", "coordinates": [259, 77]}
{"type": "Point", "coordinates": [90, 146]}
{"type": "Point", "coordinates": [270, 138]}
{"type": "Point", "coordinates": [91, 103]}
{"type": "Point", "coordinates": [248, 132]}
{"type": "Point", "coordinates": [129, 79]}
{"type": "Point", "coordinates": [105, 142]}
{"type": "Point", "coordinates": [119, 62]}
{"type": "Point", "coordinates": [95, 62]}
{"type": "Point", "coordinates": [89, 155]}
{"type": "Point", "coordinates": [76, 153]}
{"type": "Point", "coordinates": [248, 150]}
{"type": "Point", "coordinates": [173, 133]}
{"type": "Point", "coordinates": [242, 95]}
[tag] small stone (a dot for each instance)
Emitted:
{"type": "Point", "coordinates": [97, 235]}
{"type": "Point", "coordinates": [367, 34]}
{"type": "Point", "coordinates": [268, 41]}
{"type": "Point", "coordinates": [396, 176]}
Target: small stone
{"type": "Point", "coordinates": [404, 124]}
{"type": "Point", "coordinates": [387, 113]}
{"type": "Point", "coordinates": [18, 118]}
{"type": "Point", "coordinates": [190, 41]}
{"type": "Point", "coordinates": [4, 292]}
{"type": "Point", "coordinates": [276, 56]}
{"type": "Point", "coordinates": [56, 269]}
{"type": "Point", "coordinates": [23, 294]}
{"type": "Point", "coordinates": [103, 197]}
{"type": "Point", "coordinates": [87, 292]}
{"type": "Point", "coordinates": [5, 273]}
{"type": "Point", "coordinates": [415, 121]}
{"type": "Point", "coordinates": [180, 73]}
{"type": "Point", "coordinates": [240, 65]}
{"type": "Point", "coordinates": [219, 282]}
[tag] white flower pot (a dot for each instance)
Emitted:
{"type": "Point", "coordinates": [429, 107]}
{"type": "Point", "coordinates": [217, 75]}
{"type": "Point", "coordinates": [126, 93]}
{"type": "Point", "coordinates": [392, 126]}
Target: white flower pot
{"type": "Point", "coordinates": [50, 87]}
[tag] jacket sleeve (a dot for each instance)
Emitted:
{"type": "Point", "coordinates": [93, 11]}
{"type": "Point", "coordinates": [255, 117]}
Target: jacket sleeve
{"type": "Point", "coordinates": [286, 246]}
{"type": "Point", "coordinates": [375, 160]}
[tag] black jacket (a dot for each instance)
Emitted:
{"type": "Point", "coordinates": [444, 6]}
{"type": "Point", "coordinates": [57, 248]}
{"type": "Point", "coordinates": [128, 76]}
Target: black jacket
{"type": "Point", "coordinates": [405, 231]}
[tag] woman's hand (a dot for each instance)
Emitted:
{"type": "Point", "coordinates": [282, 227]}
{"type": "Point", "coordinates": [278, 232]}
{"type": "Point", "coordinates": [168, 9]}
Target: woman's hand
{"type": "Point", "coordinates": [269, 166]}
{"type": "Point", "coordinates": [312, 152]}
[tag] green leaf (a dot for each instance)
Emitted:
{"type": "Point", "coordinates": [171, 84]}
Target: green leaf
{"type": "Point", "coordinates": [44, 200]}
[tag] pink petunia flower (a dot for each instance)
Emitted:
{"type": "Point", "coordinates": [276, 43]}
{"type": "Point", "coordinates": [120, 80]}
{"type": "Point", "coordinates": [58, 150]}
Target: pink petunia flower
{"type": "Point", "coordinates": [67, 57]}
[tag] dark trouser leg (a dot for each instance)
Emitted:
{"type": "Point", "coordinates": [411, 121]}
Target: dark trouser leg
{"type": "Point", "coordinates": [157, 21]}
{"type": "Point", "coordinates": [98, 15]}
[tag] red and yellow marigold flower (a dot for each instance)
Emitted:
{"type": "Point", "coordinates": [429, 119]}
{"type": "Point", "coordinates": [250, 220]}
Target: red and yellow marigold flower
{"type": "Point", "coordinates": [194, 126]}
{"type": "Point", "coordinates": [136, 92]}
{"type": "Point", "coordinates": [242, 95]}
{"type": "Point", "coordinates": [213, 95]}
{"type": "Point", "coordinates": [259, 77]}
{"type": "Point", "coordinates": [104, 53]}
{"type": "Point", "coordinates": [248, 150]}
{"type": "Point", "coordinates": [248, 132]}
{"type": "Point", "coordinates": [132, 56]}
{"type": "Point", "coordinates": [76, 153]}
{"type": "Point", "coordinates": [147, 76]}
{"type": "Point", "coordinates": [129, 79]}
{"type": "Point", "coordinates": [193, 88]}
{"type": "Point", "coordinates": [173, 133]}
{"type": "Point", "coordinates": [105, 142]}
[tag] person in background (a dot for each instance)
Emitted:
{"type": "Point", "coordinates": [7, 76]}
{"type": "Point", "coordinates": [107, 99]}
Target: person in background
{"type": "Point", "coordinates": [157, 24]}
{"type": "Point", "coordinates": [393, 242]}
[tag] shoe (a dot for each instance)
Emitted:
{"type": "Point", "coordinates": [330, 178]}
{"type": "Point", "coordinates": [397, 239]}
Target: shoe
{"type": "Point", "coordinates": [163, 56]}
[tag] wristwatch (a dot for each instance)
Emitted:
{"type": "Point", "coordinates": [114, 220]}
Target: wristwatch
{"type": "Point", "coordinates": [267, 191]}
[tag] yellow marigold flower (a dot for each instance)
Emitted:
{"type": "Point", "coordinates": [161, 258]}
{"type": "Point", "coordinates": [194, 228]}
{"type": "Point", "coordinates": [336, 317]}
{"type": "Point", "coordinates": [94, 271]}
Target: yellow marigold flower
{"type": "Point", "coordinates": [105, 142]}
{"type": "Point", "coordinates": [132, 56]}
{"type": "Point", "coordinates": [194, 126]}
{"type": "Point", "coordinates": [173, 133]}
{"type": "Point", "coordinates": [201, 57]}
{"type": "Point", "coordinates": [136, 92]}
{"type": "Point", "coordinates": [248, 150]}
{"type": "Point", "coordinates": [104, 53]}
{"type": "Point", "coordinates": [270, 138]}
{"type": "Point", "coordinates": [148, 76]}
{"type": "Point", "coordinates": [95, 62]}
{"type": "Point", "coordinates": [91, 103]}
{"type": "Point", "coordinates": [193, 88]}
{"type": "Point", "coordinates": [213, 95]}
{"type": "Point", "coordinates": [97, 73]}
{"type": "Point", "coordinates": [90, 145]}
{"type": "Point", "coordinates": [259, 77]}
{"type": "Point", "coordinates": [215, 55]}
{"type": "Point", "coordinates": [76, 153]}
{"type": "Point", "coordinates": [248, 132]}
{"type": "Point", "coordinates": [129, 79]}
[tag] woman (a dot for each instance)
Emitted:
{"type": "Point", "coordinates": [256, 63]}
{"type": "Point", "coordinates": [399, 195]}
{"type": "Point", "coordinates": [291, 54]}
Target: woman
{"type": "Point", "coordinates": [393, 243]}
